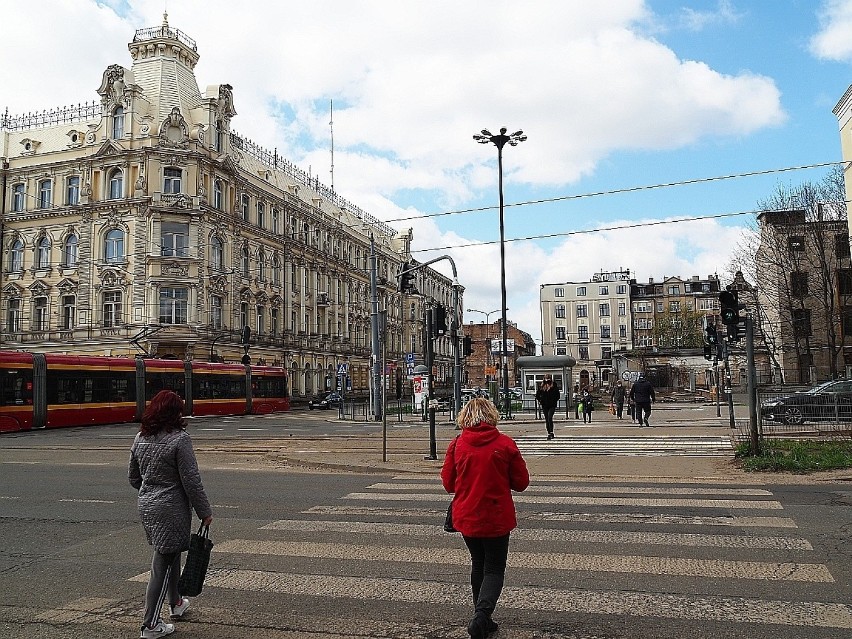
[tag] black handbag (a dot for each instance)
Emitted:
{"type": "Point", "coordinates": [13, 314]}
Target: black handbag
{"type": "Point", "coordinates": [197, 560]}
{"type": "Point", "coordinates": [448, 522]}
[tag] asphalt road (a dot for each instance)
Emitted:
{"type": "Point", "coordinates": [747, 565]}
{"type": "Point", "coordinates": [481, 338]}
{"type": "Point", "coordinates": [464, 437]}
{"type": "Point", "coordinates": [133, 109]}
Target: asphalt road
{"type": "Point", "coordinates": [355, 554]}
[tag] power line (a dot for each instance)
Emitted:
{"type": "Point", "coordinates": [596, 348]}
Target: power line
{"type": "Point", "coordinates": [629, 189]}
{"type": "Point", "coordinates": [620, 227]}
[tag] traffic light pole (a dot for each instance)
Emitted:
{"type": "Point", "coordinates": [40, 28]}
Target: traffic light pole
{"type": "Point", "coordinates": [752, 388]}
{"type": "Point", "coordinates": [430, 363]}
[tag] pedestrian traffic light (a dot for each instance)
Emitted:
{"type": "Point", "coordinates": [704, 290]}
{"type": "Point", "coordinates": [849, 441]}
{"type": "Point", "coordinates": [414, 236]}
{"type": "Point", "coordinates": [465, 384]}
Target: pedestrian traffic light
{"type": "Point", "coordinates": [245, 336]}
{"type": "Point", "coordinates": [440, 315]}
{"type": "Point", "coordinates": [730, 308]}
{"type": "Point", "coordinates": [712, 337]}
{"type": "Point", "coordinates": [467, 345]}
{"type": "Point", "coordinates": [708, 352]}
{"type": "Point", "coordinates": [734, 333]}
{"type": "Point", "coordinates": [406, 278]}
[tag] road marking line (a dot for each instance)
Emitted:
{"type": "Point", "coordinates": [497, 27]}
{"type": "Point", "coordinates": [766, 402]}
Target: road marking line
{"type": "Point", "coordinates": [87, 501]}
{"type": "Point", "coordinates": [637, 490]}
{"type": "Point", "coordinates": [737, 610]}
{"type": "Point", "coordinates": [599, 501]}
{"type": "Point", "coordinates": [546, 534]}
{"type": "Point", "coordinates": [605, 518]}
{"type": "Point", "coordinates": [684, 567]}
{"type": "Point", "coordinates": [217, 429]}
{"type": "Point", "coordinates": [25, 463]}
{"type": "Point", "coordinates": [253, 429]}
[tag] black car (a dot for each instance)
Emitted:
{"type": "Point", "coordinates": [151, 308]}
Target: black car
{"type": "Point", "coordinates": [326, 401]}
{"type": "Point", "coordinates": [831, 401]}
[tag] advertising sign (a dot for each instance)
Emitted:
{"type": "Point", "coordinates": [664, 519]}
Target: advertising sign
{"type": "Point", "coordinates": [497, 344]}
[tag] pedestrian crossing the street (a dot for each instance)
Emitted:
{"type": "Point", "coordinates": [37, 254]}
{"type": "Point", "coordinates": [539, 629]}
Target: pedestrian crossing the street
{"type": "Point", "coordinates": [589, 560]}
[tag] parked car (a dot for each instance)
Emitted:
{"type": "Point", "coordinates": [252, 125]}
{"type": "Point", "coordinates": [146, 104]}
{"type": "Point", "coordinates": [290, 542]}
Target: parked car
{"type": "Point", "coordinates": [325, 401]}
{"type": "Point", "coordinates": [831, 401]}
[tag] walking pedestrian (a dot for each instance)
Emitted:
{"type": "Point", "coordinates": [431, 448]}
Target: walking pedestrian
{"type": "Point", "coordinates": [588, 405]}
{"type": "Point", "coordinates": [642, 394]}
{"type": "Point", "coordinates": [617, 398]}
{"type": "Point", "coordinates": [575, 397]}
{"type": "Point", "coordinates": [548, 396]}
{"type": "Point", "coordinates": [481, 468]}
{"type": "Point", "coordinates": [164, 471]}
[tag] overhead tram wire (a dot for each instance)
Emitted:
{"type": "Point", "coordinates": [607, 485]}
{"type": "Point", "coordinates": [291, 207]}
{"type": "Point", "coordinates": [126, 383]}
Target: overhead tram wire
{"type": "Point", "coordinates": [629, 189]}
{"type": "Point", "coordinates": [620, 227]}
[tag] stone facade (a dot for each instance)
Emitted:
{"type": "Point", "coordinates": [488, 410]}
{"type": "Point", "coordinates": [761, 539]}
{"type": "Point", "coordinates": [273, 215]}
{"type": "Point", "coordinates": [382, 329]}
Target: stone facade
{"type": "Point", "coordinates": [487, 343]}
{"type": "Point", "coordinates": [144, 224]}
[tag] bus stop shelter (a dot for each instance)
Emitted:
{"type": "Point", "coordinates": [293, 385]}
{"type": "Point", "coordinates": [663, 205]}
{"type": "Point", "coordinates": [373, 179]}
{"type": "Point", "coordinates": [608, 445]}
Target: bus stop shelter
{"type": "Point", "coordinates": [533, 368]}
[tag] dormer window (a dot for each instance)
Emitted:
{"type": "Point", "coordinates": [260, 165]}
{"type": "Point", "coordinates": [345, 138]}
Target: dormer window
{"type": "Point", "coordinates": [118, 123]}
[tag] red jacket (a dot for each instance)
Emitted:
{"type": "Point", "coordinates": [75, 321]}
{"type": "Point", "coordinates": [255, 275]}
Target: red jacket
{"type": "Point", "coordinates": [482, 467]}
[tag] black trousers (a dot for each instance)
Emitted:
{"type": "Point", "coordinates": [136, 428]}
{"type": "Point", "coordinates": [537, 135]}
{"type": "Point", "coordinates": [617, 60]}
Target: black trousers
{"type": "Point", "coordinates": [487, 570]}
{"type": "Point", "coordinates": [548, 417]}
{"type": "Point", "coordinates": [643, 407]}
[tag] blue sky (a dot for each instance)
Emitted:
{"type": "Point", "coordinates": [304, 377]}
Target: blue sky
{"type": "Point", "coordinates": [611, 95]}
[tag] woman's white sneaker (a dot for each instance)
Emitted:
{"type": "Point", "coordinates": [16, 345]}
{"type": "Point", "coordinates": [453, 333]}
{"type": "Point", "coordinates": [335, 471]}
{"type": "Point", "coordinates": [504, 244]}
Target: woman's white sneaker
{"type": "Point", "coordinates": [177, 611]}
{"type": "Point", "coordinates": [160, 630]}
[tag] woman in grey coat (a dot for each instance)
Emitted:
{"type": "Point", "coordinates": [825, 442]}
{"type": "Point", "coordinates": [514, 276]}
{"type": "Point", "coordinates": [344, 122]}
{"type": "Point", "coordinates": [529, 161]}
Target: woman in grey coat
{"type": "Point", "coordinates": [164, 471]}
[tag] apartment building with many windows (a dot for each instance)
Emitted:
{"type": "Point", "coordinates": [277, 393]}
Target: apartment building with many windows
{"type": "Point", "coordinates": [589, 321]}
{"type": "Point", "coordinates": [143, 223]}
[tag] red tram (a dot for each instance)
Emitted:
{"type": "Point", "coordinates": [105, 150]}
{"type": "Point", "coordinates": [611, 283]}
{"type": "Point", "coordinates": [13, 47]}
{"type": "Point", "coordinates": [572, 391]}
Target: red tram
{"type": "Point", "coordinates": [51, 391]}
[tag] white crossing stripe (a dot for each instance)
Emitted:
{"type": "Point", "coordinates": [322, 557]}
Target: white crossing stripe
{"type": "Point", "coordinates": [547, 534]}
{"type": "Point", "coordinates": [631, 490]}
{"type": "Point", "coordinates": [601, 517]}
{"type": "Point", "coordinates": [713, 568]}
{"type": "Point", "coordinates": [599, 501]}
{"type": "Point", "coordinates": [739, 610]}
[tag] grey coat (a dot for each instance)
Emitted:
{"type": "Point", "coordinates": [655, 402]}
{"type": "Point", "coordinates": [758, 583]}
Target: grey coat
{"type": "Point", "coordinates": [164, 471]}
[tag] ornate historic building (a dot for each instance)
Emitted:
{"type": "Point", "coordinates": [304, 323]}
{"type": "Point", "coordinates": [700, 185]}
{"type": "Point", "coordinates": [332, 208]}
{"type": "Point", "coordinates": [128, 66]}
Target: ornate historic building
{"type": "Point", "coordinates": [142, 223]}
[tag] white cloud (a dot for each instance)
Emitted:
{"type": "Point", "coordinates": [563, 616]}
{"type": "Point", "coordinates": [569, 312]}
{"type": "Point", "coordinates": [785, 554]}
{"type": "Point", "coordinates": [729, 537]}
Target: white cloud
{"type": "Point", "coordinates": [834, 39]}
{"type": "Point", "coordinates": [697, 20]}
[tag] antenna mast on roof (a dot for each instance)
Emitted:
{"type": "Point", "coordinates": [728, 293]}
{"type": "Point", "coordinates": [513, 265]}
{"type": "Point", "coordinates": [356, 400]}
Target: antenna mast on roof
{"type": "Point", "coordinates": [331, 129]}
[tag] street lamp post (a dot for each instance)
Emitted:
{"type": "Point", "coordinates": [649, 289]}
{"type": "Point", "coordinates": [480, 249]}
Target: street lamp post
{"type": "Point", "coordinates": [487, 333]}
{"type": "Point", "coordinates": [500, 140]}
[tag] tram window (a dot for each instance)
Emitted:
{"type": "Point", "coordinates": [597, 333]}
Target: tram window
{"type": "Point", "coordinates": [155, 382]}
{"type": "Point", "coordinates": [269, 387]}
{"type": "Point", "coordinates": [123, 389]}
{"type": "Point", "coordinates": [16, 387]}
{"type": "Point", "coordinates": [219, 386]}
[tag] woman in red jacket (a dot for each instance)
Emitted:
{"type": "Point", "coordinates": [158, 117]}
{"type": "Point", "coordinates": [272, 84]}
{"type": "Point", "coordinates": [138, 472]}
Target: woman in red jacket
{"type": "Point", "coordinates": [482, 468]}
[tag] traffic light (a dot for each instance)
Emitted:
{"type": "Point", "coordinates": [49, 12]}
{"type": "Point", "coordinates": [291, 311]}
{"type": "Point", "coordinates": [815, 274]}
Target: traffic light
{"type": "Point", "coordinates": [245, 336]}
{"type": "Point", "coordinates": [734, 333]}
{"type": "Point", "coordinates": [730, 308]}
{"type": "Point", "coordinates": [406, 279]}
{"type": "Point", "coordinates": [712, 339]}
{"type": "Point", "coordinates": [440, 315]}
{"type": "Point", "coordinates": [467, 345]}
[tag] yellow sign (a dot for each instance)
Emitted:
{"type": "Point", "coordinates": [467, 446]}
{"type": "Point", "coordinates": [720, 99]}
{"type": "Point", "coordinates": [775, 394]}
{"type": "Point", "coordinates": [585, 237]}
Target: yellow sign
{"type": "Point", "coordinates": [490, 370]}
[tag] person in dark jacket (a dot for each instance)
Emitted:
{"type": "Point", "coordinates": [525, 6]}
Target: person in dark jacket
{"type": "Point", "coordinates": [481, 468]}
{"type": "Point", "coordinates": [164, 471]}
{"type": "Point", "coordinates": [642, 394]}
{"type": "Point", "coordinates": [588, 405]}
{"type": "Point", "coordinates": [617, 397]}
{"type": "Point", "coordinates": [548, 396]}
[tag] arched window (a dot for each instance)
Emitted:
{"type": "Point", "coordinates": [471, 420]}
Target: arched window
{"type": "Point", "coordinates": [217, 253]}
{"type": "Point", "coordinates": [244, 206]}
{"type": "Point", "coordinates": [261, 214]}
{"type": "Point", "coordinates": [116, 184]}
{"type": "Point", "coordinates": [246, 262]}
{"type": "Point", "coordinates": [45, 194]}
{"type": "Point", "coordinates": [218, 195]}
{"type": "Point", "coordinates": [261, 265]}
{"type": "Point", "coordinates": [219, 139]}
{"type": "Point", "coordinates": [114, 246]}
{"type": "Point", "coordinates": [118, 123]}
{"type": "Point", "coordinates": [42, 256]}
{"type": "Point", "coordinates": [69, 251]}
{"type": "Point", "coordinates": [276, 270]}
{"type": "Point", "coordinates": [276, 221]}
{"type": "Point", "coordinates": [171, 180]}
{"type": "Point", "coordinates": [16, 257]}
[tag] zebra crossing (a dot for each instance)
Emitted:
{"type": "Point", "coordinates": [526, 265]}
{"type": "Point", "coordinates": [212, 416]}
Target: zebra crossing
{"type": "Point", "coordinates": [645, 444]}
{"type": "Point", "coordinates": [590, 559]}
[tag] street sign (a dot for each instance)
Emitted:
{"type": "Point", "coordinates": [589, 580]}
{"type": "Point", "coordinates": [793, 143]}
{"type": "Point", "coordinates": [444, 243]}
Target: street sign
{"type": "Point", "coordinates": [342, 369]}
{"type": "Point", "coordinates": [409, 358]}
{"type": "Point", "coordinates": [490, 370]}
{"type": "Point", "coordinates": [409, 370]}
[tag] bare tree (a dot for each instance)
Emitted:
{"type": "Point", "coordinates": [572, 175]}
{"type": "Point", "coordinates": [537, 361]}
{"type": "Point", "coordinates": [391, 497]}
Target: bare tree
{"type": "Point", "coordinates": [681, 328]}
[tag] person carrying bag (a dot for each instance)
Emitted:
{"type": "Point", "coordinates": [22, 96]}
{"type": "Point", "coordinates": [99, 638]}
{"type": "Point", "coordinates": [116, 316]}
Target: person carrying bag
{"type": "Point", "coordinates": [197, 559]}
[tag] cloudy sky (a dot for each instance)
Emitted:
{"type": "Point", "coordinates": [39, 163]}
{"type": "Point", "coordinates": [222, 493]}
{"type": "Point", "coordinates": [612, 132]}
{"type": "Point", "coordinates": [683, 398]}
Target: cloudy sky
{"type": "Point", "coordinates": [612, 95]}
